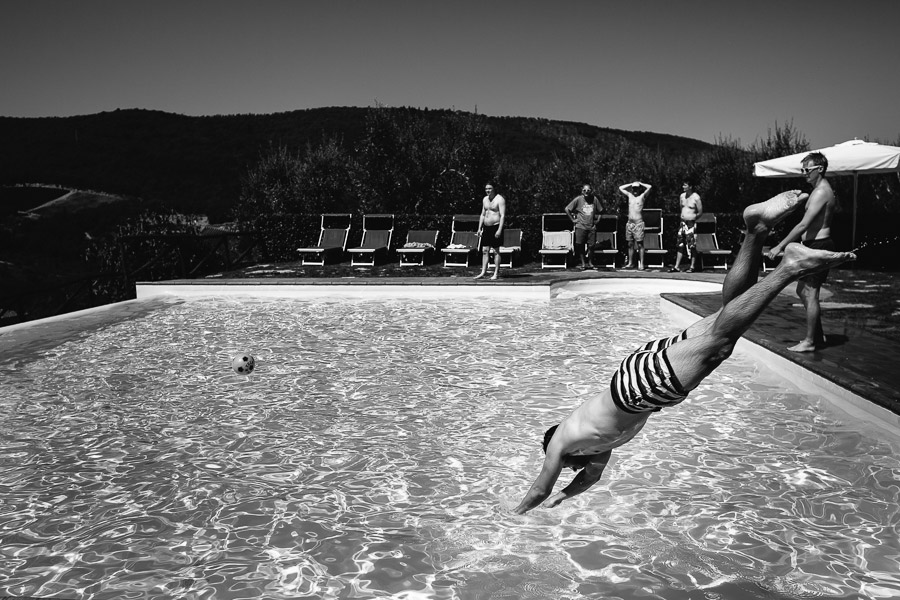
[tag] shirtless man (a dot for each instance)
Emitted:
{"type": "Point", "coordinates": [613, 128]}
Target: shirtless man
{"type": "Point", "coordinates": [490, 228]}
{"type": "Point", "coordinates": [634, 228]}
{"type": "Point", "coordinates": [691, 209]}
{"type": "Point", "coordinates": [814, 230]}
{"type": "Point", "coordinates": [661, 373]}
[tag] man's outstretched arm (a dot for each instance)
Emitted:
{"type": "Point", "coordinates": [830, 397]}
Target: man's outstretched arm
{"type": "Point", "coordinates": [543, 485]}
{"type": "Point", "coordinates": [586, 478]}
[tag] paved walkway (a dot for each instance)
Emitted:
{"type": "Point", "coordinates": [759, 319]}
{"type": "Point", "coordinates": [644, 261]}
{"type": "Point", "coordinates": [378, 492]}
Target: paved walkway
{"type": "Point", "coordinates": [856, 360]}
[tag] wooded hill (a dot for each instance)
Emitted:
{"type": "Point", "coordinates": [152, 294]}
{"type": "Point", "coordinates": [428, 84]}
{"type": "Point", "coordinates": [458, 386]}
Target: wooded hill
{"type": "Point", "coordinates": [196, 164]}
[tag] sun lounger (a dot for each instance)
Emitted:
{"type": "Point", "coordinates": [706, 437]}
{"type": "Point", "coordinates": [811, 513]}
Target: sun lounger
{"type": "Point", "coordinates": [463, 241]}
{"type": "Point", "coordinates": [654, 253]}
{"type": "Point", "coordinates": [606, 251]}
{"type": "Point", "coordinates": [557, 241]}
{"type": "Point", "coordinates": [335, 229]}
{"type": "Point", "coordinates": [420, 244]}
{"type": "Point", "coordinates": [376, 240]}
{"type": "Point", "coordinates": [708, 244]}
{"type": "Point", "coordinates": [510, 247]}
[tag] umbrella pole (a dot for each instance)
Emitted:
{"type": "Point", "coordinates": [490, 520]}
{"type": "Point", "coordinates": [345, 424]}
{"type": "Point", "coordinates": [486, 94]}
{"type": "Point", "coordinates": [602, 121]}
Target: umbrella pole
{"type": "Point", "coordinates": [855, 189]}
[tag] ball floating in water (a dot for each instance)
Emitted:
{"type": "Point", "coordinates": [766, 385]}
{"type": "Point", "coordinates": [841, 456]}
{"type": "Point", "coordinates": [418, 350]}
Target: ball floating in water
{"type": "Point", "coordinates": [243, 364]}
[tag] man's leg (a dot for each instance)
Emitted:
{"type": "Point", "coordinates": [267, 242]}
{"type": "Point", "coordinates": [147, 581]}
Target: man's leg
{"type": "Point", "coordinates": [579, 247]}
{"type": "Point", "coordinates": [679, 247]}
{"type": "Point", "coordinates": [590, 244]}
{"type": "Point", "coordinates": [485, 254]}
{"type": "Point", "coordinates": [640, 248]}
{"type": "Point", "coordinates": [696, 357]}
{"type": "Point", "coordinates": [496, 263]}
{"type": "Point", "coordinates": [809, 295]}
{"type": "Point", "coordinates": [759, 219]}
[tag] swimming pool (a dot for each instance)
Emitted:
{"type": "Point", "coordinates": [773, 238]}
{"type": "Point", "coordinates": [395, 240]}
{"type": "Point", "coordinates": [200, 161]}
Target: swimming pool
{"type": "Point", "coordinates": [380, 444]}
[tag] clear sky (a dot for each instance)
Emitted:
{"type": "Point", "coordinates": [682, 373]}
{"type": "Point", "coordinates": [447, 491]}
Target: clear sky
{"type": "Point", "coordinates": [695, 68]}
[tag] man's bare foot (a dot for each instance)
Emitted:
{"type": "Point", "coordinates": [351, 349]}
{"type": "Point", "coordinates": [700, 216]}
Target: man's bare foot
{"type": "Point", "coordinates": [495, 277]}
{"type": "Point", "coordinates": [805, 261]}
{"type": "Point", "coordinates": [803, 346]}
{"type": "Point", "coordinates": [765, 215]}
{"type": "Point", "coordinates": [479, 276]}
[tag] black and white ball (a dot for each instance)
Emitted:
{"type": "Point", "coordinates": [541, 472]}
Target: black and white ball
{"type": "Point", "coordinates": [243, 364]}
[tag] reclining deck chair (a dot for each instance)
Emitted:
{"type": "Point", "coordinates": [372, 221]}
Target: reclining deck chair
{"type": "Point", "coordinates": [654, 253]}
{"type": "Point", "coordinates": [420, 245]}
{"type": "Point", "coordinates": [607, 246]}
{"type": "Point", "coordinates": [335, 229]}
{"type": "Point", "coordinates": [463, 241]}
{"type": "Point", "coordinates": [376, 240]}
{"type": "Point", "coordinates": [510, 246]}
{"type": "Point", "coordinates": [557, 240]}
{"type": "Point", "coordinates": [708, 243]}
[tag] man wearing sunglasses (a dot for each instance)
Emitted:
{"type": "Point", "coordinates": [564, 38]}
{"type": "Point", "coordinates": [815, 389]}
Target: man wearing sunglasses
{"type": "Point", "coordinates": [814, 231]}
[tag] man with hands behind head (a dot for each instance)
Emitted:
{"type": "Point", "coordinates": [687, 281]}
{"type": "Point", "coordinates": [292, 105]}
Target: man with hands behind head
{"type": "Point", "coordinates": [634, 228]}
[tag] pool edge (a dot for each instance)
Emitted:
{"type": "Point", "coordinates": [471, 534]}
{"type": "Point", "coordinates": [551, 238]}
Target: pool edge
{"type": "Point", "coordinates": [836, 395]}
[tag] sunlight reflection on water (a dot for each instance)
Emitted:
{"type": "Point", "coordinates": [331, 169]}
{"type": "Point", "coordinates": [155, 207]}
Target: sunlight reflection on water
{"type": "Point", "coordinates": [379, 446]}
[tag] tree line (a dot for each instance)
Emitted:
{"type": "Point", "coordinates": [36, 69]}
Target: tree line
{"type": "Point", "coordinates": [409, 165]}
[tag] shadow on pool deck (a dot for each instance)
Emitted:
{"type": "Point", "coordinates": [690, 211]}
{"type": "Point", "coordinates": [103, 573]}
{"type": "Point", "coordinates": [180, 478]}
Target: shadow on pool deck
{"type": "Point", "coordinates": [857, 358]}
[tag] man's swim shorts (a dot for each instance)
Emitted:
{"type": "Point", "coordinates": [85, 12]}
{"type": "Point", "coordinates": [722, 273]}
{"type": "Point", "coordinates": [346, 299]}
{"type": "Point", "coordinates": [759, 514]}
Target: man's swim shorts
{"type": "Point", "coordinates": [645, 381]}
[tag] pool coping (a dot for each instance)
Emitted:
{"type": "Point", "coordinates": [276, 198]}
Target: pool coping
{"type": "Point", "coordinates": [545, 289]}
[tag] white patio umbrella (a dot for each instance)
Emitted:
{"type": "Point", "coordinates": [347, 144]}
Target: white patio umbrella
{"type": "Point", "coordinates": [855, 157]}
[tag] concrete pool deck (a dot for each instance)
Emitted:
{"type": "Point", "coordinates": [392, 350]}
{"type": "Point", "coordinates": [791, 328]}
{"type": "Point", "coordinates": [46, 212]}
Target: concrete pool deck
{"type": "Point", "coordinates": [855, 365]}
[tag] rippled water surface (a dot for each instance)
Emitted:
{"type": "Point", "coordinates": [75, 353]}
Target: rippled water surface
{"type": "Point", "coordinates": [379, 446]}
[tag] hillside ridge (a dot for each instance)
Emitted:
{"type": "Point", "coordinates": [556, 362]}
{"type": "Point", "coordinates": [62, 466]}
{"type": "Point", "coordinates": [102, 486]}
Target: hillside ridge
{"type": "Point", "coordinates": [196, 162]}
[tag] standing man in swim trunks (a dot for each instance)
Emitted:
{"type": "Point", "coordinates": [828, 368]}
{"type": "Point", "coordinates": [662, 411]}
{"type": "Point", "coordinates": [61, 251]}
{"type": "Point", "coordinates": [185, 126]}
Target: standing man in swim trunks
{"type": "Point", "coordinates": [490, 228]}
{"type": "Point", "coordinates": [691, 209]}
{"type": "Point", "coordinates": [814, 230]}
{"type": "Point", "coordinates": [585, 211]}
{"type": "Point", "coordinates": [634, 228]}
{"type": "Point", "coordinates": [661, 373]}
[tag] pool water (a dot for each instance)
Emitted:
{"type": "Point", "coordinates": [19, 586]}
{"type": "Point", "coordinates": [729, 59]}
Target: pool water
{"type": "Point", "coordinates": [380, 445]}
